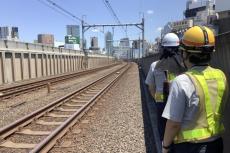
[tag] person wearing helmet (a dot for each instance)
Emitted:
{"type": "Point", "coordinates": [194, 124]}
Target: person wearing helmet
{"type": "Point", "coordinates": [161, 72]}
{"type": "Point", "coordinates": [195, 104]}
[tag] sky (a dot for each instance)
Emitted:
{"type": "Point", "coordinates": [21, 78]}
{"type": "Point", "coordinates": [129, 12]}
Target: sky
{"type": "Point", "coordinates": [32, 17]}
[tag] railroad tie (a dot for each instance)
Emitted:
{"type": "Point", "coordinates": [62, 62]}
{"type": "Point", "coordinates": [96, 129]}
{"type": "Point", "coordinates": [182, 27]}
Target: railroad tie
{"type": "Point", "coordinates": [42, 122]}
{"type": "Point", "coordinates": [78, 101]}
{"type": "Point", "coordinates": [57, 115]}
{"type": "Point", "coordinates": [73, 105]}
{"type": "Point", "coordinates": [80, 97]}
{"type": "Point", "coordinates": [30, 132]}
{"type": "Point", "coordinates": [92, 92]}
{"type": "Point", "coordinates": [10, 144]}
{"type": "Point", "coordinates": [88, 94]}
{"type": "Point", "coordinates": [66, 110]}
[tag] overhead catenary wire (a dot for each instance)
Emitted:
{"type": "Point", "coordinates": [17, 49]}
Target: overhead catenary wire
{"type": "Point", "coordinates": [109, 7]}
{"type": "Point", "coordinates": [63, 11]}
{"type": "Point", "coordinates": [56, 10]}
{"type": "Point", "coordinates": [112, 12]}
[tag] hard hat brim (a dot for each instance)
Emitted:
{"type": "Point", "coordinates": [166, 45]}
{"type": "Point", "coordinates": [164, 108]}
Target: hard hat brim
{"type": "Point", "coordinates": [171, 45]}
{"type": "Point", "coordinates": [203, 49]}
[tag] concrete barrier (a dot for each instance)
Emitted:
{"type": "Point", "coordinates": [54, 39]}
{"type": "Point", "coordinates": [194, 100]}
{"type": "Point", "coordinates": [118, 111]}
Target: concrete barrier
{"type": "Point", "coordinates": [221, 60]}
{"type": "Point", "coordinates": [23, 61]}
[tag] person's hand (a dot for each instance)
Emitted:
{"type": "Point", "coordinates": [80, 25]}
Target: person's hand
{"type": "Point", "coordinates": [165, 150]}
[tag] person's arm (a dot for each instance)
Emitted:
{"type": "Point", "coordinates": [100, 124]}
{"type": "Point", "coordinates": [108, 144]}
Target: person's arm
{"type": "Point", "coordinates": [171, 130]}
{"type": "Point", "coordinates": [225, 106]}
{"type": "Point", "coordinates": [150, 81]}
{"type": "Point", "coordinates": [173, 112]}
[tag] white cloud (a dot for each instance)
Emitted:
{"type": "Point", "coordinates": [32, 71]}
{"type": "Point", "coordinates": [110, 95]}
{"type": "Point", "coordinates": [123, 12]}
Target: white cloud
{"type": "Point", "coordinates": [150, 12]}
{"type": "Point", "coordinates": [95, 30]}
{"type": "Point", "coordinates": [159, 29]}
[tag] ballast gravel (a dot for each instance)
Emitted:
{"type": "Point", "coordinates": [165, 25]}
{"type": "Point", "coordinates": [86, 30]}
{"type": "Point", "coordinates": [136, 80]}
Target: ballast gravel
{"type": "Point", "coordinates": [113, 125]}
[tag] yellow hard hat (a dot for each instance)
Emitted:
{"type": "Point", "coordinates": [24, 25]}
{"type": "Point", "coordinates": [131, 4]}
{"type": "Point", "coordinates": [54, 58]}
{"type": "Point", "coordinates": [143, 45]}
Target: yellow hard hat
{"type": "Point", "coordinates": [198, 39]}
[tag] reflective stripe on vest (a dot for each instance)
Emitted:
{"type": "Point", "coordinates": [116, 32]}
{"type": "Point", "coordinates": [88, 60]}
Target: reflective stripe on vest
{"type": "Point", "coordinates": [159, 96]}
{"type": "Point", "coordinates": [171, 76]}
{"type": "Point", "coordinates": [214, 127]}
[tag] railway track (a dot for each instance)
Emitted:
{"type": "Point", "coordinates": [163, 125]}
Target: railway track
{"type": "Point", "coordinates": [35, 85]}
{"type": "Point", "coordinates": [39, 131]}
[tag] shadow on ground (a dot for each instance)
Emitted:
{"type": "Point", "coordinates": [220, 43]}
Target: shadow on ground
{"type": "Point", "coordinates": [152, 141]}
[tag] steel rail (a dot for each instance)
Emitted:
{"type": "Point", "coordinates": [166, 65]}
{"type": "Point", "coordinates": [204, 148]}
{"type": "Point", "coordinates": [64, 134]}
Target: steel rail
{"type": "Point", "coordinates": [13, 127]}
{"type": "Point", "coordinates": [30, 83]}
{"type": "Point", "coordinates": [7, 92]}
{"type": "Point", "coordinates": [50, 141]}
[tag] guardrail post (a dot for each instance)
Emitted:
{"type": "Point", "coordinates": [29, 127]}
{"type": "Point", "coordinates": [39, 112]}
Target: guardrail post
{"type": "Point", "coordinates": [30, 71]}
{"type": "Point", "coordinates": [22, 65]}
{"type": "Point", "coordinates": [36, 64]}
{"type": "Point", "coordinates": [4, 80]}
{"type": "Point", "coordinates": [13, 66]}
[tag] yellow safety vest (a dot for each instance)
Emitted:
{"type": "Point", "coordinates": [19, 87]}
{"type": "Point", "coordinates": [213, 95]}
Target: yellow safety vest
{"type": "Point", "coordinates": [210, 87]}
{"type": "Point", "coordinates": [159, 96]}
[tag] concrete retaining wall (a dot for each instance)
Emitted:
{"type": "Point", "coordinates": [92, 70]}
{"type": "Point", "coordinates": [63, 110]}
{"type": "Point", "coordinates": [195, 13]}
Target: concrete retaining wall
{"type": "Point", "coordinates": [23, 61]}
{"type": "Point", "coordinates": [221, 60]}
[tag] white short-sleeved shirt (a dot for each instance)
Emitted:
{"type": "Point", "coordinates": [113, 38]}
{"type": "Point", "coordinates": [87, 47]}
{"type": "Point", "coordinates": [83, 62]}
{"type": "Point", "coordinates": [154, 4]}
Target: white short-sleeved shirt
{"type": "Point", "coordinates": [182, 103]}
{"type": "Point", "coordinates": [155, 78]}
{"type": "Point", "coordinates": [150, 79]}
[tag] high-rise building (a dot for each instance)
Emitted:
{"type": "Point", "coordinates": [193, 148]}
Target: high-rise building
{"type": "Point", "coordinates": [47, 39]}
{"type": "Point", "coordinates": [199, 11]}
{"type": "Point", "coordinates": [136, 44]}
{"type": "Point", "coordinates": [222, 5]}
{"type": "Point", "coordinates": [73, 30]}
{"type": "Point", "coordinates": [124, 42]}
{"type": "Point", "coordinates": [124, 47]}
{"type": "Point", "coordinates": [9, 33]}
{"type": "Point", "coordinates": [109, 43]}
{"type": "Point", "coordinates": [178, 27]}
{"type": "Point", "coordinates": [223, 8]}
{"type": "Point", "coordinates": [94, 44]}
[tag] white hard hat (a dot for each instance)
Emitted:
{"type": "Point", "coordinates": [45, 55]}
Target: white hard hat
{"type": "Point", "coordinates": [170, 40]}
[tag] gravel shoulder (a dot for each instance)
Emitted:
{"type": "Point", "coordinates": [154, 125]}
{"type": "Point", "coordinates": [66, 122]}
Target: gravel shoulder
{"type": "Point", "coordinates": [115, 124]}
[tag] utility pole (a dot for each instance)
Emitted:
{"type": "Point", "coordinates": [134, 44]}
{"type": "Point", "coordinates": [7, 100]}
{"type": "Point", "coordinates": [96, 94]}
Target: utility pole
{"type": "Point", "coordinates": [139, 56]}
{"type": "Point", "coordinates": [85, 63]}
{"type": "Point", "coordinates": [82, 33]}
{"type": "Point", "coordinates": [131, 52]}
{"type": "Point", "coordinates": [143, 36]}
{"type": "Point", "coordinates": [108, 51]}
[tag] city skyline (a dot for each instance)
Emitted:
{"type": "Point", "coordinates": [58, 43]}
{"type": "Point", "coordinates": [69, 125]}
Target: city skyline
{"type": "Point", "coordinates": [38, 18]}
